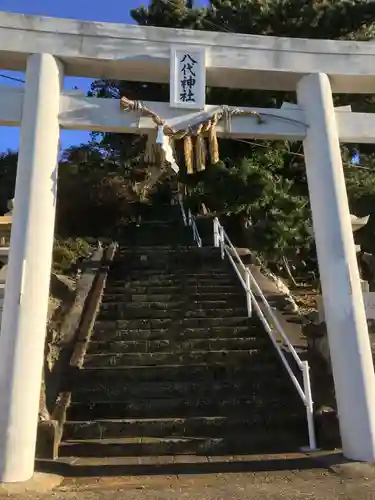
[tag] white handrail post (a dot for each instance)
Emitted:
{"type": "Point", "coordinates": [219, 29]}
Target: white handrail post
{"type": "Point", "coordinates": [248, 293]}
{"type": "Point", "coordinates": [189, 217]}
{"type": "Point", "coordinates": [199, 240]}
{"type": "Point", "coordinates": [216, 233]}
{"type": "Point", "coordinates": [182, 209]}
{"type": "Point", "coordinates": [309, 405]}
{"type": "Point", "coordinates": [222, 242]}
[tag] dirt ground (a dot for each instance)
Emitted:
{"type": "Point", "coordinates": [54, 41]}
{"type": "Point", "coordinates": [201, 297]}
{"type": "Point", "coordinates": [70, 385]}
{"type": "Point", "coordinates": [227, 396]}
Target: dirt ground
{"type": "Point", "coordinates": [305, 299]}
{"type": "Point", "coordinates": [288, 485]}
{"type": "Point", "coordinates": [292, 478]}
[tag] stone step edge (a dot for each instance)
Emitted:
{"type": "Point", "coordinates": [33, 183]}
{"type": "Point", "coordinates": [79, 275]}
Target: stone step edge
{"type": "Point", "coordinates": [177, 366]}
{"type": "Point", "coordinates": [176, 321]}
{"type": "Point", "coordinates": [179, 341]}
{"type": "Point", "coordinates": [196, 442]}
{"type": "Point", "coordinates": [190, 352]}
{"type": "Point", "coordinates": [169, 420]}
{"type": "Point", "coordinates": [197, 329]}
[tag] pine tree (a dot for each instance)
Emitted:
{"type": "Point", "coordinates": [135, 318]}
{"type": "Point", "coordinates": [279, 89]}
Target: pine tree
{"type": "Point", "coordinates": [163, 13]}
{"type": "Point", "coordinates": [324, 19]}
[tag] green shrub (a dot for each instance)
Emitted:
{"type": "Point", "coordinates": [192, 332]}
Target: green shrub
{"type": "Point", "coordinates": [66, 253]}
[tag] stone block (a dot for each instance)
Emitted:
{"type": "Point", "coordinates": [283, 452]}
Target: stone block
{"type": "Point", "coordinates": [48, 440]}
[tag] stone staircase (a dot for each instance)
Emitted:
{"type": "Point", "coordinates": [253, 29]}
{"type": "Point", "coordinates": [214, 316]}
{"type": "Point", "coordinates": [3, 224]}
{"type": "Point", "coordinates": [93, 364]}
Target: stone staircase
{"type": "Point", "coordinates": [174, 366]}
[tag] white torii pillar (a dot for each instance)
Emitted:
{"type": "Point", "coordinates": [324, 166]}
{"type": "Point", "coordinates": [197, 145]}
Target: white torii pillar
{"type": "Point", "coordinates": [348, 337]}
{"type": "Point", "coordinates": [23, 327]}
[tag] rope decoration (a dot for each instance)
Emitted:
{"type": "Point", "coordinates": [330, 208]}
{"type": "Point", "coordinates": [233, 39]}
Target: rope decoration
{"type": "Point", "coordinates": [140, 190]}
{"type": "Point", "coordinates": [195, 150]}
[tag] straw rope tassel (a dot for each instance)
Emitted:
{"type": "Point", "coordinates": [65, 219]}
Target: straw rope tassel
{"type": "Point", "coordinates": [188, 153]}
{"type": "Point", "coordinates": [200, 151]}
{"type": "Point", "coordinates": [213, 142]}
{"type": "Point", "coordinates": [154, 146]}
{"type": "Point", "coordinates": [161, 156]}
{"type": "Point", "coordinates": [151, 154]}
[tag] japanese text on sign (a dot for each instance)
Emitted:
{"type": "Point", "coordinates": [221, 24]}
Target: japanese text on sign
{"type": "Point", "coordinates": [188, 78]}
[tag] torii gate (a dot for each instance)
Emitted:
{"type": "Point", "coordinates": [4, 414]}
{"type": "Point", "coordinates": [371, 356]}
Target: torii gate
{"type": "Point", "coordinates": [51, 48]}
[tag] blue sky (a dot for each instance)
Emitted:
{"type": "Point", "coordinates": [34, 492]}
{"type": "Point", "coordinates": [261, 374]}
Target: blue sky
{"type": "Point", "coordinates": [110, 11]}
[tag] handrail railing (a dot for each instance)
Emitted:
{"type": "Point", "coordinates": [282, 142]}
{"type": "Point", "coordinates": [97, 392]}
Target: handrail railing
{"type": "Point", "coordinates": [183, 213]}
{"type": "Point", "coordinates": [190, 221]}
{"type": "Point", "coordinates": [249, 283]}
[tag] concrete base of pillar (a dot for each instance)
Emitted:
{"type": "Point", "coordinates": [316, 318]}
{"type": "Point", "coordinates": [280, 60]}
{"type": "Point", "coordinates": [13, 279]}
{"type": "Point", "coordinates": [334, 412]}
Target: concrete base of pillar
{"type": "Point", "coordinates": [357, 471]}
{"type": "Point", "coordinates": [39, 483]}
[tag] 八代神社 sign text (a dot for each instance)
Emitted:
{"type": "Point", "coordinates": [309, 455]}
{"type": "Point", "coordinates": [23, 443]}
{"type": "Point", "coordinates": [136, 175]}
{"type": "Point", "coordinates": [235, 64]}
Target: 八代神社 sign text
{"type": "Point", "coordinates": [188, 78]}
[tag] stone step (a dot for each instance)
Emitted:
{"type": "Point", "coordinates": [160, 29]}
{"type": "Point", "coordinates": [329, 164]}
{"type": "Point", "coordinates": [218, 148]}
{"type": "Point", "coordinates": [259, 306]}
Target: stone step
{"type": "Point", "coordinates": [157, 223]}
{"type": "Point", "coordinates": [163, 261]}
{"type": "Point", "coordinates": [153, 226]}
{"type": "Point", "coordinates": [158, 276]}
{"type": "Point", "coordinates": [214, 391]}
{"type": "Point", "coordinates": [161, 237]}
{"type": "Point", "coordinates": [148, 221]}
{"type": "Point", "coordinates": [156, 465]}
{"type": "Point", "coordinates": [255, 442]}
{"type": "Point", "coordinates": [222, 404]}
{"type": "Point", "coordinates": [148, 224]}
{"type": "Point", "coordinates": [198, 427]}
{"type": "Point", "coordinates": [192, 357]}
{"type": "Point", "coordinates": [161, 275]}
{"type": "Point", "coordinates": [191, 289]}
{"type": "Point", "coordinates": [169, 249]}
{"type": "Point", "coordinates": [183, 249]}
{"type": "Point", "coordinates": [129, 282]}
{"type": "Point", "coordinates": [148, 234]}
{"type": "Point", "coordinates": [197, 298]}
{"type": "Point", "coordinates": [126, 312]}
{"type": "Point", "coordinates": [126, 251]}
{"type": "Point", "coordinates": [174, 250]}
{"type": "Point", "coordinates": [153, 270]}
{"type": "Point", "coordinates": [179, 323]}
{"type": "Point", "coordinates": [177, 303]}
{"type": "Point", "coordinates": [105, 332]}
{"type": "Point", "coordinates": [172, 253]}
{"type": "Point", "coordinates": [110, 376]}
{"type": "Point", "coordinates": [177, 345]}
{"type": "Point", "coordinates": [123, 306]}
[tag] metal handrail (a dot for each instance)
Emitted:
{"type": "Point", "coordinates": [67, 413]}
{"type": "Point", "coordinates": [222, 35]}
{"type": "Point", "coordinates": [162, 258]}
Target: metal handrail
{"type": "Point", "coordinates": [193, 224]}
{"type": "Point", "coordinates": [222, 241]}
{"type": "Point", "coordinates": [190, 221]}
{"type": "Point", "coordinates": [183, 213]}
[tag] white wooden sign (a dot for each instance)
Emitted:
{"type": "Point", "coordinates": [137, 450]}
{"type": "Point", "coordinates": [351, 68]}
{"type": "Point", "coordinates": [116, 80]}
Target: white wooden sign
{"type": "Point", "coordinates": [188, 78]}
